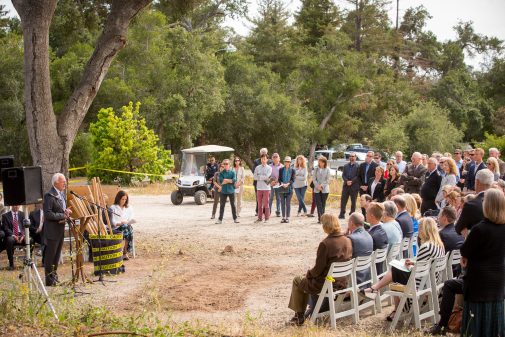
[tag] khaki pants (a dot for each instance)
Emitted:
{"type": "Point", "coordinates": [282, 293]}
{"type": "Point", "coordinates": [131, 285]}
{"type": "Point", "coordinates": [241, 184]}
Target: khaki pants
{"type": "Point", "coordinates": [238, 200]}
{"type": "Point", "coordinates": [299, 299]}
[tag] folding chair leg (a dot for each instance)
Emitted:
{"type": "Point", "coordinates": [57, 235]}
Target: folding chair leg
{"type": "Point", "coordinates": [332, 312]}
{"type": "Point", "coordinates": [415, 307]}
{"type": "Point", "coordinates": [355, 304]}
{"type": "Point", "coordinates": [398, 313]}
{"type": "Point", "coordinates": [319, 302]}
{"type": "Point", "coordinates": [436, 307]}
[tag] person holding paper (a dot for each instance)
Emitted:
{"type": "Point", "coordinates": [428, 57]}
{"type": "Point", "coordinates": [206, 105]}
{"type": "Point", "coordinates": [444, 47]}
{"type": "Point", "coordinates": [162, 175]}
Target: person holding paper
{"type": "Point", "coordinates": [431, 247]}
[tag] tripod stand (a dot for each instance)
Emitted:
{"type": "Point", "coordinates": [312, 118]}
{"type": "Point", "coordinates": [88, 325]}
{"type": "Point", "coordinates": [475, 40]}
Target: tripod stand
{"type": "Point", "coordinates": [30, 273]}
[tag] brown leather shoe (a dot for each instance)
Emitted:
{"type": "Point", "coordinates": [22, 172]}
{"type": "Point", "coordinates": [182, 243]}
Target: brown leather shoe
{"type": "Point", "coordinates": [297, 320]}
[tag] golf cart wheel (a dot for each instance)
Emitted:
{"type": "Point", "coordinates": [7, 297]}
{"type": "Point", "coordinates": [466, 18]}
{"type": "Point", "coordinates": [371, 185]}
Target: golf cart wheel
{"type": "Point", "coordinates": [200, 197]}
{"type": "Point", "coordinates": [176, 197]}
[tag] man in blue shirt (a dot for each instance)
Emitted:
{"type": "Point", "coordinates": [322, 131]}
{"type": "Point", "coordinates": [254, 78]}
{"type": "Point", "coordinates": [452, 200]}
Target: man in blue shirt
{"type": "Point", "coordinates": [227, 181]}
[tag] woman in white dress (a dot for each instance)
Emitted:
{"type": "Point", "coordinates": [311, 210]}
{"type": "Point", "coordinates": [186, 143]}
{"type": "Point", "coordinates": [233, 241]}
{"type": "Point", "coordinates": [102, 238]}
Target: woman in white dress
{"type": "Point", "coordinates": [122, 220]}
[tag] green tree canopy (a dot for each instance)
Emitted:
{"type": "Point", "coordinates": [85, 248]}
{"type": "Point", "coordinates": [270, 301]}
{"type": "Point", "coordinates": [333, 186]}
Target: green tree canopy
{"type": "Point", "coordinates": [125, 143]}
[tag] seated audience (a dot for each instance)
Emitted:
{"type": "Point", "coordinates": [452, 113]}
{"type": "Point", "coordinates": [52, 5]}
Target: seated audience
{"type": "Point", "coordinates": [122, 220]}
{"type": "Point", "coordinates": [37, 224]}
{"type": "Point", "coordinates": [373, 216]}
{"type": "Point", "coordinates": [450, 238]}
{"type": "Point", "coordinates": [413, 210]}
{"type": "Point", "coordinates": [483, 256]}
{"type": "Point", "coordinates": [365, 200]}
{"type": "Point", "coordinates": [14, 233]}
{"type": "Point", "coordinates": [493, 166]}
{"type": "Point", "coordinates": [431, 247]}
{"type": "Point", "coordinates": [471, 214]}
{"type": "Point", "coordinates": [390, 225]}
{"type": "Point", "coordinates": [396, 191]}
{"type": "Point", "coordinates": [336, 247]}
{"type": "Point", "coordinates": [362, 242]}
{"type": "Point", "coordinates": [403, 217]}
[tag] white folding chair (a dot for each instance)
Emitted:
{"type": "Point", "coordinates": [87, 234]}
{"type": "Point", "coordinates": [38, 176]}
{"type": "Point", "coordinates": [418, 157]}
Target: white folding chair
{"type": "Point", "coordinates": [380, 256]}
{"type": "Point", "coordinates": [405, 248]}
{"type": "Point", "coordinates": [421, 271]}
{"type": "Point", "coordinates": [453, 259]}
{"type": "Point", "coordinates": [412, 243]}
{"type": "Point", "coordinates": [394, 252]}
{"type": "Point", "coordinates": [363, 263]}
{"type": "Point", "coordinates": [335, 298]}
{"type": "Point", "coordinates": [438, 275]}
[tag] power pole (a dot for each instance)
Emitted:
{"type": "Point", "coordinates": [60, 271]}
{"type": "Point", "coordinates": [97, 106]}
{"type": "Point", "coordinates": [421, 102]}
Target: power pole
{"type": "Point", "coordinates": [397, 12]}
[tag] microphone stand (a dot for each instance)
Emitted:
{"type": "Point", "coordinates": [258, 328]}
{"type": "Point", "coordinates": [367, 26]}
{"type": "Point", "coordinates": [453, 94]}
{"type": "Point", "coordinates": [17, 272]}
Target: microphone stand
{"type": "Point", "coordinates": [100, 271]}
{"type": "Point", "coordinates": [72, 228]}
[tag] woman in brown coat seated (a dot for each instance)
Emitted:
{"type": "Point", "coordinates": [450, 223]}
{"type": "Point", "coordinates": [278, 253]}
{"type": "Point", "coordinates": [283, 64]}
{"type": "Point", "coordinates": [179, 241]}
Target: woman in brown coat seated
{"type": "Point", "coordinates": [336, 247]}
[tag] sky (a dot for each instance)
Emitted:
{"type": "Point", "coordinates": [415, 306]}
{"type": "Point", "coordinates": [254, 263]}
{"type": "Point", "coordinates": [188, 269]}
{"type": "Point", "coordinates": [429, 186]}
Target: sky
{"type": "Point", "coordinates": [487, 16]}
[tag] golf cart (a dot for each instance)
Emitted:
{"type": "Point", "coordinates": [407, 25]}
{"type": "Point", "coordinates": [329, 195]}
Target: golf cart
{"type": "Point", "coordinates": [191, 181]}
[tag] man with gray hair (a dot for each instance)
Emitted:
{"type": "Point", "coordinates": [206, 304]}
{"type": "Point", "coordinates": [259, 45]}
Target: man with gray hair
{"type": "Point", "coordinates": [389, 224]}
{"type": "Point", "coordinates": [55, 215]}
{"type": "Point", "coordinates": [472, 213]}
{"type": "Point", "coordinates": [495, 153]}
{"type": "Point", "coordinates": [402, 164]}
{"type": "Point", "coordinates": [362, 242]}
{"type": "Point", "coordinates": [413, 176]}
{"type": "Point", "coordinates": [431, 186]}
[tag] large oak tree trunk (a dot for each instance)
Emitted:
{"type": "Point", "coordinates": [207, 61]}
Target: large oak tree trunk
{"type": "Point", "coordinates": [51, 137]}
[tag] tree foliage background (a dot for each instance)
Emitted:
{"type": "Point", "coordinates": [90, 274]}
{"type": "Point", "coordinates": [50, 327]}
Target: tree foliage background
{"type": "Point", "coordinates": [330, 72]}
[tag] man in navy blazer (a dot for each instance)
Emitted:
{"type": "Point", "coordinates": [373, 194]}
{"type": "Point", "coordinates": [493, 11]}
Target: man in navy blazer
{"type": "Point", "coordinates": [362, 242]}
{"type": "Point", "coordinates": [403, 217]}
{"type": "Point", "coordinates": [374, 214]}
{"type": "Point", "coordinates": [430, 187]}
{"type": "Point", "coordinates": [350, 185]}
{"type": "Point", "coordinates": [472, 214]}
{"type": "Point", "coordinates": [475, 166]}
{"type": "Point", "coordinates": [450, 238]}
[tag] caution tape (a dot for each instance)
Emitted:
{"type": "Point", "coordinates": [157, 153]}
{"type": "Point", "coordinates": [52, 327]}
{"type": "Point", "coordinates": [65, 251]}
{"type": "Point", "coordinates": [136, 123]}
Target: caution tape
{"type": "Point", "coordinates": [117, 171]}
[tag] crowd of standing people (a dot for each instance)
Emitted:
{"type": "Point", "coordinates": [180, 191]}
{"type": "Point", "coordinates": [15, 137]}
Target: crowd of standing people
{"type": "Point", "coordinates": [452, 200]}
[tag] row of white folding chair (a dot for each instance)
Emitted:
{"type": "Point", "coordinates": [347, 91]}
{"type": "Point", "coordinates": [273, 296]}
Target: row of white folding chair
{"type": "Point", "coordinates": [407, 245]}
{"type": "Point", "coordinates": [349, 269]}
{"type": "Point", "coordinates": [432, 275]}
{"type": "Point", "coordinates": [453, 259]}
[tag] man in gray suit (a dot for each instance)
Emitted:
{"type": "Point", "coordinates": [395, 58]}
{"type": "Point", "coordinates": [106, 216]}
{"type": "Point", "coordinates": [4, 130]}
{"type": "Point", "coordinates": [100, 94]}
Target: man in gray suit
{"type": "Point", "coordinates": [413, 176]}
{"type": "Point", "coordinates": [350, 186]}
{"type": "Point", "coordinates": [362, 242]}
{"type": "Point", "coordinates": [55, 215]}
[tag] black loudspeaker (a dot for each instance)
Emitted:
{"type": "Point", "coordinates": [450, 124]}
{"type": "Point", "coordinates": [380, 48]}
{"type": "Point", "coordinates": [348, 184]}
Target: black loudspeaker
{"type": "Point", "coordinates": [22, 185]}
{"type": "Point", "coordinates": [6, 162]}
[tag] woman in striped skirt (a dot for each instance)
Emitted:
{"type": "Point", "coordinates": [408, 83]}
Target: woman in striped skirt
{"type": "Point", "coordinates": [431, 247]}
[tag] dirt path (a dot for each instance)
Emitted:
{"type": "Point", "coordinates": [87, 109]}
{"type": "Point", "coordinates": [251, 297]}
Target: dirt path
{"type": "Point", "coordinates": [185, 271]}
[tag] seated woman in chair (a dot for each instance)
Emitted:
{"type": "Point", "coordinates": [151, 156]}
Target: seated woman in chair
{"type": "Point", "coordinates": [336, 247]}
{"type": "Point", "coordinates": [431, 247]}
{"type": "Point", "coordinates": [122, 220]}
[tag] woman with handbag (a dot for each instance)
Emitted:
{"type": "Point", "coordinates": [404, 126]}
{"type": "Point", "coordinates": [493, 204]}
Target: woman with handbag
{"type": "Point", "coordinates": [239, 185]}
{"type": "Point", "coordinates": [321, 185]}
{"type": "Point", "coordinates": [286, 180]}
{"type": "Point", "coordinates": [300, 183]}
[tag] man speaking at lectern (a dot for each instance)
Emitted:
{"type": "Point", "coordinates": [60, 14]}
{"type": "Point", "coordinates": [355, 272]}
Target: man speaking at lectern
{"type": "Point", "coordinates": [55, 215]}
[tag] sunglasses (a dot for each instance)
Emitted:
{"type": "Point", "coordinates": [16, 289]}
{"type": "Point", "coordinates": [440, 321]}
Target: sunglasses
{"type": "Point", "coordinates": [237, 160]}
{"type": "Point", "coordinates": [226, 164]}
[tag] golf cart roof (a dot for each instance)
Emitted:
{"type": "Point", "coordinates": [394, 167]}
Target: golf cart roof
{"type": "Point", "coordinates": [208, 149]}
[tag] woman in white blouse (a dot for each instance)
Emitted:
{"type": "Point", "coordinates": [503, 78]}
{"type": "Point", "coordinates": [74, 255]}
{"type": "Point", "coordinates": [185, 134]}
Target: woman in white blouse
{"type": "Point", "coordinates": [450, 178]}
{"type": "Point", "coordinates": [122, 220]}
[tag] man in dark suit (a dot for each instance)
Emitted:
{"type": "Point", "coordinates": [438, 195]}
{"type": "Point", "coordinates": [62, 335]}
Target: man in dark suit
{"type": "Point", "coordinates": [55, 215]}
{"type": "Point", "coordinates": [430, 187]}
{"type": "Point", "coordinates": [374, 214]}
{"type": "Point", "coordinates": [450, 238]}
{"type": "Point", "coordinates": [366, 172]}
{"type": "Point", "coordinates": [403, 217]}
{"type": "Point", "coordinates": [413, 176]}
{"type": "Point", "coordinates": [362, 242]}
{"type": "Point", "coordinates": [350, 185]}
{"type": "Point", "coordinates": [37, 224]}
{"type": "Point", "coordinates": [475, 166]}
{"type": "Point", "coordinates": [472, 214]}
{"type": "Point", "coordinates": [12, 226]}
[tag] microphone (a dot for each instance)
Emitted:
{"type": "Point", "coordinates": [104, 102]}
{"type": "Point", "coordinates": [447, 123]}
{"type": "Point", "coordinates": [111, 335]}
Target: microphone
{"type": "Point", "coordinates": [76, 195]}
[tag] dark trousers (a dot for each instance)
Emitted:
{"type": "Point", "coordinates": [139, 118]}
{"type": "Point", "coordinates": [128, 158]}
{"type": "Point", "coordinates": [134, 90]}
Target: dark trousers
{"type": "Point", "coordinates": [8, 245]}
{"type": "Point", "coordinates": [449, 291]}
{"type": "Point", "coordinates": [286, 204]}
{"type": "Point", "coordinates": [217, 199]}
{"type": "Point", "coordinates": [313, 205]}
{"type": "Point", "coordinates": [52, 252]}
{"type": "Point", "coordinates": [426, 205]}
{"type": "Point", "coordinates": [321, 204]}
{"type": "Point", "coordinates": [223, 202]}
{"type": "Point", "coordinates": [348, 191]}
